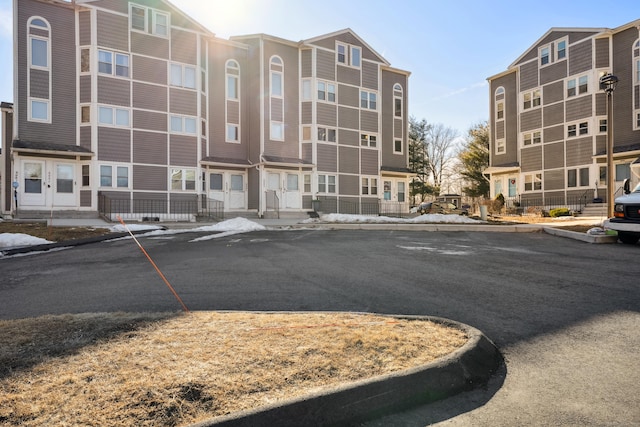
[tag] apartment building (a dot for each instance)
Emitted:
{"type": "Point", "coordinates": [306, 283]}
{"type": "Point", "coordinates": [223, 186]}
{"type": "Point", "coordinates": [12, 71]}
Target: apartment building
{"type": "Point", "coordinates": [548, 117]}
{"type": "Point", "coordinates": [137, 102]}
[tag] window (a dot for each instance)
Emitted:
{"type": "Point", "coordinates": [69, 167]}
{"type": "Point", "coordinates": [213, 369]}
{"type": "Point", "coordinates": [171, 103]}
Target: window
{"type": "Point", "coordinates": [578, 129]}
{"type": "Point", "coordinates": [183, 76]}
{"type": "Point", "coordinates": [561, 49]}
{"type": "Point", "coordinates": [39, 110]}
{"type": "Point", "coordinates": [578, 177]}
{"type": "Point", "coordinates": [355, 56]}
{"type": "Point", "coordinates": [398, 98]}
{"type": "Point", "coordinates": [306, 90]}
{"type": "Point", "coordinates": [38, 44]}
{"type": "Point", "coordinates": [348, 55]}
{"type": "Point", "coordinates": [326, 91]}
{"type": "Point", "coordinates": [326, 183]}
{"type": "Point", "coordinates": [326, 134]}
{"type": "Point", "coordinates": [577, 86]}
{"type": "Point", "coordinates": [106, 65]}
{"type": "Point", "coordinates": [367, 140]}
{"type": "Point", "coordinates": [499, 103]}
{"type": "Point", "coordinates": [533, 182]}
{"type": "Point", "coordinates": [183, 179]}
{"type": "Point", "coordinates": [401, 192]}
{"type": "Point", "coordinates": [183, 124]}
{"type": "Point", "coordinates": [571, 131]}
{"type": "Point", "coordinates": [86, 169]}
{"type": "Point", "coordinates": [583, 128]}
{"type": "Point", "coordinates": [85, 114]}
{"type": "Point", "coordinates": [277, 131]}
{"type": "Point", "coordinates": [532, 138]}
{"type": "Point", "coordinates": [306, 133]}
{"type": "Point", "coordinates": [500, 111]}
{"type": "Point", "coordinates": [306, 183]}
{"type": "Point", "coordinates": [121, 176]}
{"type": "Point", "coordinates": [232, 80]}
{"type": "Point", "coordinates": [276, 83]}
{"type": "Point", "coordinates": [500, 146]}
{"type": "Point", "coordinates": [149, 20]}
{"type": "Point", "coordinates": [397, 146]}
{"type": "Point", "coordinates": [602, 126]}
{"type": "Point", "coordinates": [342, 54]}
{"type": "Point", "coordinates": [545, 56]}
{"type": "Point", "coordinates": [85, 60]}
{"type": "Point", "coordinates": [531, 99]}
{"type": "Point", "coordinates": [368, 100]}
{"type": "Point", "coordinates": [369, 186]}
{"type": "Point", "coordinates": [638, 120]}
{"type": "Point", "coordinates": [112, 116]}
{"type": "Point", "coordinates": [233, 133]}
{"type": "Point", "coordinates": [623, 171]}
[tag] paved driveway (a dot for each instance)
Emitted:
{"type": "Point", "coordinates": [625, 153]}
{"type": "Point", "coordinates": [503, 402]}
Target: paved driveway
{"type": "Point", "coordinates": [564, 313]}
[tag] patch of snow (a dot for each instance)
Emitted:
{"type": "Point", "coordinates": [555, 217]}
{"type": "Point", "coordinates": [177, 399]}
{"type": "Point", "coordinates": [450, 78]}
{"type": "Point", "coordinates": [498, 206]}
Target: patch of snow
{"type": "Point", "coordinates": [422, 219]}
{"type": "Point", "coordinates": [13, 240]}
{"type": "Point", "coordinates": [238, 224]}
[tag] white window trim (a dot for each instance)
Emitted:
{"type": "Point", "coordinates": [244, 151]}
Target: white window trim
{"type": "Point", "coordinates": [272, 127]}
{"type": "Point", "coordinates": [154, 14]}
{"type": "Point", "coordinates": [369, 93]}
{"type": "Point", "coordinates": [577, 124]}
{"type": "Point", "coordinates": [531, 92]}
{"type": "Point", "coordinates": [401, 146]}
{"type": "Point", "coordinates": [114, 175]}
{"type": "Point", "coordinates": [533, 175]}
{"type": "Point", "coordinates": [114, 116]}
{"type": "Point", "coordinates": [183, 74]}
{"type": "Point", "coordinates": [326, 91]}
{"type": "Point", "coordinates": [183, 129]}
{"type": "Point", "coordinates": [550, 55]}
{"type": "Point", "coordinates": [30, 112]}
{"type": "Point", "coordinates": [348, 55]}
{"type": "Point", "coordinates": [523, 137]}
{"type": "Point", "coordinates": [556, 50]}
{"type": "Point", "coordinates": [368, 139]}
{"type": "Point", "coordinates": [327, 185]}
{"type": "Point", "coordinates": [369, 179]}
{"type": "Point", "coordinates": [326, 132]}
{"type": "Point", "coordinates": [501, 143]}
{"type": "Point", "coordinates": [579, 183]}
{"type": "Point", "coordinates": [576, 79]}
{"type": "Point", "coordinates": [114, 64]}
{"type": "Point", "coordinates": [44, 39]}
{"type": "Point", "coordinates": [183, 179]}
{"type": "Point", "coordinates": [636, 119]}
{"type": "Point", "coordinates": [226, 133]}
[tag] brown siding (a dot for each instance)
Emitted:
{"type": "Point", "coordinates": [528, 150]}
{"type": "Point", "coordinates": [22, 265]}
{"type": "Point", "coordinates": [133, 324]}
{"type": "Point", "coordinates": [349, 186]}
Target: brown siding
{"type": "Point", "coordinates": [398, 128]}
{"type": "Point", "coordinates": [369, 162]}
{"type": "Point", "coordinates": [623, 96]}
{"type": "Point", "coordinates": [531, 120]}
{"type": "Point", "coordinates": [85, 198]}
{"type": "Point", "coordinates": [579, 108]}
{"type": "Point", "coordinates": [349, 185]}
{"type": "Point", "coordinates": [553, 93]}
{"type": "Point", "coordinates": [348, 75]}
{"type": "Point", "coordinates": [555, 133]}
{"type": "Point", "coordinates": [580, 57]}
{"type": "Point", "coordinates": [233, 112]}
{"type": "Point", "coordinates": [601, 143]}
{"type": "Point", "coordinates": [579, 151]}
{"type": "Point", "coordinates": [149, 69]}
{"type": "Point", "coordinates": [184, 46]}
{"type": "Point", "coordinates": [85, 137]}
{"type": "Point", "coordinates": [601, 104]}
{"type": "Point", "coordinates": [149, 147]}
{"type": "Point", "coordinates": [531, 159]}
{"type": "Point", "coordinates": [326, 114]}
{"type": "Point", "coordinates": [84, 28]}
{"type": "Point", "coordinates": [327, 160]}
{"type": "Point", "coordinates": [85, 89]}
{"type": "Point", "coordinates": [348, 137]}
{"type": "Point", "coordinates": [349, 162]}
{"type": "Point", "coordinates": [39, 84]}
{"type": "Point", "coordinates": [554, 155]}
{"type": "Point", "coordinates": [114, 144]}
{"type": "Point", "coordinates": [348, 96]}
{"type": "Point", "coordinates": [306, 113]}
{"type": "Point", "coordinates": [553, 114]}
{"type": "Point", "coordinates": [370, 75]}
{"type": "Point", "coordinates": [277, 109]}
{"type": "Point", "coordinates": [528, 76]}
{"type": "Point", "coordinates": [150, 121]}
{"type": "Point", "coordinates": [183, 151]}
{"type": "Point", "coordinates": [325, 65]}
{"type": "Point", "coordinates": [348, 118]}
{"type": "Point", "coordinates": [151, 178]}
{"type": "Point", "coordinates": [306, 152]}
{"type": "Point", "coordinates": [113, 31]}
{"type": "Point", "coordinates": [553, 180]}
{"type": "Point", "coordinates": [369, 121]}
{"type": "Point", "coordinates": [553, 72]}
{"type": "Point", "coordinates": [499, 129]}
{"type": "Point", "coordinates": [602, 53]}
{"type": "Point", "coordinates": [114, 91]}
{"type": "Point", "coordinates": [183, 102]}
{"type": "Point", "coordinates": [149, 45]}
{"type": "Point", "coordinates": [149, 97]}
{"type": "Point", "coordinates": [306, 66]}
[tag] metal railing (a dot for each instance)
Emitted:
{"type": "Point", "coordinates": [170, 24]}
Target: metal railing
{"type": "Point", "coordinates": [272, 202]}
{"type": "Point", "coordinates": [140, 209]}
{"type": "Point", "coordinates": [546, 202]}
{"type": "Point", "coordinates": [363, 207]}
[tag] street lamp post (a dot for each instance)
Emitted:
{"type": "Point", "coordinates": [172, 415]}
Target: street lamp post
{"type": "Point", "coordinates": [608, 83]}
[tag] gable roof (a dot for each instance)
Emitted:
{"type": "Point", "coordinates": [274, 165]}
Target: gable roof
{"type": "Point", "coordinates": [350, 32]}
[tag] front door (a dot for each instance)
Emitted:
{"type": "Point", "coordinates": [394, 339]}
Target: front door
{"type": "Point", "coordinates": [64, 185]}
{"type": "Point", "coordinates": [228, 188]}
{"type": "Point", "coordinates": [513, 188]}
{"type": "Point", "coordinates": [274, 191]}
{"type": "Point", "coordinates": [292, 194]}
{"type": "Point", "coordinates": [33, 193]}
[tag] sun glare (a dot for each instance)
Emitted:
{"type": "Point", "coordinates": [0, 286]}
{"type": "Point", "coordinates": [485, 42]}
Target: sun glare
{"type": "Point", "coordinates": [228, 17]}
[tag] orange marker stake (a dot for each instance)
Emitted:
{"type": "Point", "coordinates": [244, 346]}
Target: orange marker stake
{"type": "Point", "coordinates": [184, 307]}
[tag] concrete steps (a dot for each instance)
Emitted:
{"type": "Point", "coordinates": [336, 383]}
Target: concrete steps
{"type": "Point", "coordinates": [594, 209]}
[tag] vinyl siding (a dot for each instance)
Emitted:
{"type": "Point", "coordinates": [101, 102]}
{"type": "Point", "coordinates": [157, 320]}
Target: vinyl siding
{"type": "Point", "coordinates": [183, 151]}
{"type": "Point", "coordinates": [112, 31]}
{"type": "Point", "coordinates": [553, 180]}
{"type": "Point", "coordinates": [553, 72]}
{"type": "Point", "coordinates": [306, 113]}
{"type": "Point", "coordinates": [325, 65]}
{"type": "Point", "coordinates": [327, 158]}
{"type": "Point", "coordinates": [553, 114]}
{"type": "Point", "coordinates": [184, 47]}
{"type": "Point", "coordinates": [84, 28]}
{"type": "Point", "coordinates": [580, 57]}
{"type": "Point", "coordinates": [530, 120]}
{"type": "Point", "coordinates": [349, 162]}
{"type": "Point", "coordinates": [553, 93]}
{"type": "Point", "coordinates": [370, 75]}
{"type": "Point", "coordinates": [85, 137]}
{"type": "Point", "coordinates": [528, 76]}
{"type": "Point", "coordinates": [148, 45]}
{"type": "Point", "coordinates": [85, 198]}
{"type": "Point", "coordinates": [150, 97]}
{"type": "Point", "coordinates": [85, 89]}
{"type": "Point", "coordinates": [183, 102]}
{"type": "Point", "coordinates": [552, 134]}
{"type": "Point", "coordinates": [348, 137]}
{"type": "Point", "coordinates": [233, 113]}
{"type": "Point", "coordinates": [349, 96]}
{"type": "Point", "coordinates": [149, 120]}
{"type": "Point", "coordinates": [579, 108]}
{"type": "Point", "coordinates": [151, 178]}
{"type": "Point", "coordinates": [277, 109]}
{"type": "Point", "coordinates": [369, 121]}
{"type": "Point", "coordinates": [349, 185]}
{"type": "Point", "coordinates": [579, 151]}
{"type": "Point", "coordinates": [326, 114]}
{"type": "Point", "coordinates": [306, 63]}
{"type": "Point", "coordinates": [306, 152]}
{"type": "Point", "coordinates": [348, 75]}
{"type": "Point", "coordinates": [554, 155]}
{"type": "Point", "coordinates": [531, 159]}
{"type": "Point", "coordinates": [39, 84]}
{"type": "Point", "coordinates": [149, 147]}
{"type": "Point", "coordinates": [499, 129]}
{"type": "Point", "coordinates": [602, 53]}
{"type": "Point", "coordinates": [114, 91]}
{"type": "Point", "coordinates": [348, 118]}
{"type": "Point", "coordinates": [369, 162]}
{"type": "Point", "coordinates": [114, 144]}
{"type": "Point", "coordinates": [149, 70]}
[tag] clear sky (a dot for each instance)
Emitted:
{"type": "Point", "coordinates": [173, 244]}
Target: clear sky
{"type": "Point", "coordinates": [450, 47]}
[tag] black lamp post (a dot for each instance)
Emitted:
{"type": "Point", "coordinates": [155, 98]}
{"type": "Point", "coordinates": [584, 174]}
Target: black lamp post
{"type": "Point", "coordinates": [608, 83]}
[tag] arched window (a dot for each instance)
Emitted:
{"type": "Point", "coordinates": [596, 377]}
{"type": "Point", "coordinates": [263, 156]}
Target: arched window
{"type": "Point", "coordinates": [499, 103]}
{"type": "Point", "coordinates": [276, 110]}
{"type": "Point", "coordinates": [39, 34]}
{"type": "Point", "coordinates": [232, 71]}
{"type": "Point", "coordinates": [397, 100]}
{"type": "Point", "coordinates": [233, 79]}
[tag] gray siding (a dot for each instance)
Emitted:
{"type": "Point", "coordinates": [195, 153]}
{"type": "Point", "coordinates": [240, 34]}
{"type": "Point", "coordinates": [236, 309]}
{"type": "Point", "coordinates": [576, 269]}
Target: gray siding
{"type": "Point", "coordinates": [553, 114]}
{"type": "Point", "coordinates": [114, 145]}
{"type": "Point", "coordinates": [149, 45]}
{"type": "Point", "coordinates": [183, 151]}
{"type": "Point", "coordinates": [553, 93]}
{"type": "Point", "coordinates": [306, 152]}
{"type": "Point", "coordinates": [39, 84]}
{"type": "Point", "coordinates": [85, 137]}
{"type": "Point", "coordinates": [113, 31]}
{"type": "Point", "coordinates": [530, 120]}
{"type": "Point", "coordinates": [306, 63]}
{"type": "Point", "coordinates": [579, 151]}
{"type": "Point", "coordinates": [348, 75]}
{"type": "Point", "coordinates": [114, 91]}
{"type": "Point", "coordinates": [528, 76]}
{"type": "Point", "coordinates": [554, 155]}
{"type": "Point", "coordinates": [579, 108]}
{"type": "Point", "coordinates": [602, 53]}
{"type": "Point", "coordinates": [499, 126]}
{"type": "Point", "coordinates": [149, 97]}
{"type": "Point", "coordinates": [370, 75]}
{"type": "Point", "coordinates": [349, 185]}
{"type": "Point", "coordinates": [149, 120]}
{"type": "Point", "coordinates": [306, 113]}
{"type": "Point", "coordinates": [184, 47]}
{"type": "Point", "coordinates": [348, 137]}
{"type": "Point", "coordinates": [327, 158]}
{"type": "Point", "coordinates": [553, 180]}
{"type": "Point", "coordinates": [348, 118]}
{"type": "Point", "coordinates": [149, 69]}
{"type": "Point", "coordinates": [183, 102]}
{"type": "Point", "coordinates": [149, 147]}
{"type": "Point", "coordinates": [150, 178]}
{"type": "Point", "coordinates": [349, 161]}
{"type": "Point", "coordinates": [84, 28]}
{"type": "Point", "coordinates": [555, 133]}
{"type": "Point", "coordinates": [233, 113]}
{"type": "Point", "coordinates": [369, 162]}
{"type": "Point", "coordinates": [85, 89]}
{"type": "Point", "coordinates": [326, 114]}
{"type": "Point", "coordinates": [531, 159]}
{"type": "Point", "coordinates": [325, 65]}
{"type": "Point", "coordinates": [369, 121]}
{"type": "Point", "coordinates": [580, 57]}
{"type": "Point", "coordinates": [553, 72]}
{"type": "Point", "coordinates": [348, 96]}
{"type": "Point", "coordinates": [277, 109]}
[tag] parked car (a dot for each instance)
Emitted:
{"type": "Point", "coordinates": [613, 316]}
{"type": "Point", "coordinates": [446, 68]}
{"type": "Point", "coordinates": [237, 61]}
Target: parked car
{"type": "Point", "coordinates": [626, 215]}
{"type": "Point", "coordinates": [440, 208]}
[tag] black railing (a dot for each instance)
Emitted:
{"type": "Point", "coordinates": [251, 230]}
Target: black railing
{"type": "Point", "coordinates": [573, 202]}
{"type": "Point", "coordinates": [363, 207]}
{"type": "Point", "coordinates": [272, 202]}
{"type": "Point", "coordinates": [140, 209]}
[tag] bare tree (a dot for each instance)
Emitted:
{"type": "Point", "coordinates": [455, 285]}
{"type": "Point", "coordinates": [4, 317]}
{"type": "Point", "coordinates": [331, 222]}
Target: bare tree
{"type": "Point", "coordinates": [439, 151]}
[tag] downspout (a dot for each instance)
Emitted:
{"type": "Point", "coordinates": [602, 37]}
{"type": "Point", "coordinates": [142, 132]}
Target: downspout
{"type": "Point", "coordinates": [262, 198]}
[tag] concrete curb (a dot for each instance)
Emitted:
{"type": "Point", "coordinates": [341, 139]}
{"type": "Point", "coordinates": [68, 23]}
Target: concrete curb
{"type": "Point", "coordinates": [519, 228]}
{"type": "Point", "coordinates": [470, 366]}
{"type": "Point", "coordinates": [584, 237]}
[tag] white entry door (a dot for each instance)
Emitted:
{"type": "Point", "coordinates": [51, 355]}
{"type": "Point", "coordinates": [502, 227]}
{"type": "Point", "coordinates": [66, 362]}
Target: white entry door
{"type": "Point", "coordinates": [274, 191]}
{"type": "Point", "coordinates": [33, 190]}
{"type": "Point", "coordinates": [229, 188]}
{"type": "Point", "coordinates": [292, 192]}
{"type": "Point", "coordinates": [64, 185]}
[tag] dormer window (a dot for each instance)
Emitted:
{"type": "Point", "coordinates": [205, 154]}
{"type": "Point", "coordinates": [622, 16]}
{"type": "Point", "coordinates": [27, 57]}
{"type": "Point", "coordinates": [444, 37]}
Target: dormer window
{"type": "Point", "coordinates": [148, 20]}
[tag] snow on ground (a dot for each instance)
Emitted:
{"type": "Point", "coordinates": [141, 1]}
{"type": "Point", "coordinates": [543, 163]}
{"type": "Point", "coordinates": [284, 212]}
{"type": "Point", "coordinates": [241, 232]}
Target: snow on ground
{"type": "Point", "coordinates": [243, 225]}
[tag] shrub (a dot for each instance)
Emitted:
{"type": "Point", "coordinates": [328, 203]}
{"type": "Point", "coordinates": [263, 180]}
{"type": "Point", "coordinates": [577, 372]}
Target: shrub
{"type": "Point", "coordinates": [554, 213]}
